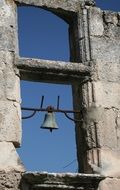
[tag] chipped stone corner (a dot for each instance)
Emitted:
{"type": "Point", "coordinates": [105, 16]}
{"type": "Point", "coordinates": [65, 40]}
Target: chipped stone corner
{"type": "Point", "coordinates": [104, 162]}
{"type": "Point", "coordinates": [11, 167]}
{"type": "Point", "coordinates": [9, 159]}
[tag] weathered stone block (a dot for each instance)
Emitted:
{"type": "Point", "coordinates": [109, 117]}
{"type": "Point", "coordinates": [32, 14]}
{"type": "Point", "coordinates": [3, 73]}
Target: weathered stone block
{"type": "Point", "coordinates": [2, 85]}
{"type": "Point", "coordinates": [107, 71]}
{"type": "Point", "coordinates": [12, 86]}
{"type": "Point", "coordinates": [7, 13]}
{"type": "Point", "coordinates": [112, 32]}
{"type": "Point", "coordinates": [97, 123]}
{"type": "Point", "coordinates": [9, 159]}
{"type": "Point", "coordinates": [42, 70]}
{"type": "Point", "coordinates": [96, 21]}
{"type": "Point", "coordinates": [118, 19]}
{"type": "Point", "coordinates": [118, 130]}
{"type": "Point", "coordinates": [106, 94]}
{"type": "Point", "coordinates": [9, 80]}
{"type": "Point", "coordinates": [101, 126]}
{"type": "Point", "coordinates": [101, 94]}
{"type": "Point", "coordinates": [7, 39]}
{"type": "Point", "coordinates": [104, 162]}
{"type": "Point", "coordinates": [72, 5]}
{"type": "Point", "coordinates": [109, 184]}
{"type": "Point", "coordinates": [10, 180]}
{"type": "Point", "coordinates": [110, 17]}
{"type": "Point", "coordinates": [60, 181]}
{"type": "Point", "coordinates": [107, 128]}
{"type": "Point", "coordinates": [10, 122]}
{"type": "Point", "coordinates": [6, 60]}
{"type": "Point", "coordinates": [105, 49]}
{"type": "Point", "coordinates": [7, 25]}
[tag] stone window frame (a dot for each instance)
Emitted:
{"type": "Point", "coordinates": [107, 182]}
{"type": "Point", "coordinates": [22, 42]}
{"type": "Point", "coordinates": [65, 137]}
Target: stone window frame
{"type": "Point", "coordinates": [75, 72]}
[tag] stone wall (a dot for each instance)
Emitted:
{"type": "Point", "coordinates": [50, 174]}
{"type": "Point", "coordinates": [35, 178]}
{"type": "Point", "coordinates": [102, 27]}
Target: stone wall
{"type": "Point", "coordinates": [101, 100]}
{"type": "Point", "coordinates": [10, 114]}
{"type": "Point", "coordinates": [93, 72]}
{"type": "Point", "coordinates": [58, 181]}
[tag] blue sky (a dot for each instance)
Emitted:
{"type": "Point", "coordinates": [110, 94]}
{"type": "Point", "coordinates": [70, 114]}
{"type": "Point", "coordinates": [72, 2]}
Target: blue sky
{"type": "Point", "coordinates": [44, 35]}
{"type": "Point", "coordinates": [113, 5]}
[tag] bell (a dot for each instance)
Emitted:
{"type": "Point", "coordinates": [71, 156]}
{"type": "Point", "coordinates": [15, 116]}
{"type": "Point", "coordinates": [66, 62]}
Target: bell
{"type": "Point", "coordinates": [49, 122]}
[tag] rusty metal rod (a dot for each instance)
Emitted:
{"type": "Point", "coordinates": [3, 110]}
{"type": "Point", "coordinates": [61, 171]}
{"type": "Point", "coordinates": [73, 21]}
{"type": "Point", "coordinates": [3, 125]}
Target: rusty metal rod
{"type": "Point", "coordinates": [51, 109]}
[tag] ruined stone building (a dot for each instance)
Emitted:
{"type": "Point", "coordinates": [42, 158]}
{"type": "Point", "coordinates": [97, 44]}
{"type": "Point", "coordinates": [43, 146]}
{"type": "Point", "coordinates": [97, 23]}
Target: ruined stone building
{"type": "Point", "coordinates": [93, 72]}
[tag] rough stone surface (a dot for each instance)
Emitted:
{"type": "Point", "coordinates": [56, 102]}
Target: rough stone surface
{"type": "Point", "coordinates": [96, 22]}
{"type": "Point", "coordinates": [10, 85]}
{"type": "Point", "coordinates": [105, 43]}
{"type": "Point", "coordinates": [60, 181]}
{"type": "Point", "coordinates": [12, 88]}
{"type": "Point", "coordinates": [101, 73]}
{"type": "Point", "coordinates": [10, 180]}
{"type": "Point", "coordinates": [10, 122]}
{"type": "Point", "coordinates": [110, 184]}
{"type": "Point", "coordinates": [94, 72]}
{"type": "Point", "coordinates": [98, 123]}
{"type": "Point", "coordinates": [105, 49]}
{"type": "Point", "coordinates": [52, 71]}
{"type": "Point", "coordinates": [7, 26]}
{"type": "Point", "coordinates": [111, 17]}
{"type": "Point", "coordinates": [106, 94]}
{"type": "Point", "coordinates": [9, 159]}
{"type": "Point", "coordinates": [104, 162]}
{"type": "Point", "coordinates": [72, 5]}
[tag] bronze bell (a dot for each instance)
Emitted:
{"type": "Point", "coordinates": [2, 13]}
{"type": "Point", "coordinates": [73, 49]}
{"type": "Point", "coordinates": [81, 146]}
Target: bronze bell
{"type": "Point", "coordinates": [49, 122]}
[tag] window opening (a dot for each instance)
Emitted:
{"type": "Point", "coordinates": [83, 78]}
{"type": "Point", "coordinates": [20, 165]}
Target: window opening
{"type": "Point", "coordinates": [36, 54]}
{"type": "Point", "coordinates": [42, 150]}
{"type": "Point", "coordinates": [42, 34]}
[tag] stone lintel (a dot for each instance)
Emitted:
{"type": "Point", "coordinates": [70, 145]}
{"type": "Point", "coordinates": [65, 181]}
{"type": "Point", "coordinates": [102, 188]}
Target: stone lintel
{"type": "Point", "coordinates": [62, 8]}
{"type": "Point", "coordinates": [62, 180]}
{"type": "Point", "coordinates": [63, 4]}
{"type": "Point", "coordinates": [52, 71]}
{"type": "Point", "coordinates": [65, 9]}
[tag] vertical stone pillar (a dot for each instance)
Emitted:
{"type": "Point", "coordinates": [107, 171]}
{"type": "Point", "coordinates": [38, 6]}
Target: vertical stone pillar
{"type": "Point", "coordinates": [10, 118]}
{"type": "Point", "coordinates": [100, 97]}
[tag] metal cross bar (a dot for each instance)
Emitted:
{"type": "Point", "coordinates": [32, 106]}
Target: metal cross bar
{"type": "Point", "coordinates": [51, 109]}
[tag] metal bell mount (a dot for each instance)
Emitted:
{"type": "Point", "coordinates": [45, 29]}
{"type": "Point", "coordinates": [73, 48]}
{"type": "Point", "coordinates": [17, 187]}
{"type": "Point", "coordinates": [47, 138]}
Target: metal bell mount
{"type": "Point", "coordinates": [49, 120]}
